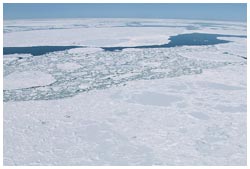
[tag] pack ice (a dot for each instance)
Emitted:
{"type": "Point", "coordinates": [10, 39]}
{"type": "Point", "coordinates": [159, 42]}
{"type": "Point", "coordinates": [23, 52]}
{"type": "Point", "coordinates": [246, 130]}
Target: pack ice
{"type": "Point", "coordinates": [183, 105]}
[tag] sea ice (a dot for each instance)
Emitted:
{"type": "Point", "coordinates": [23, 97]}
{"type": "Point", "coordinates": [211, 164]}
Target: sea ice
{"type": "Point", "coordinates": [27, 79]}
{"type": "Point", "coordinates": [86, 106]}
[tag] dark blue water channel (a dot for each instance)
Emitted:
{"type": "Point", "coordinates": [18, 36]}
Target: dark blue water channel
{"type": "Point", "coordinates": [36, 50]}
{"type": "Point", "coordinates": [193, 39]}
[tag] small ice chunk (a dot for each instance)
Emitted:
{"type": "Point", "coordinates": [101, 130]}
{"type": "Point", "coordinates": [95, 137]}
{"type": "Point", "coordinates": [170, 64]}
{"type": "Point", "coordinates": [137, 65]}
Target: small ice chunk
{"type": "Point", "coordinates": [68, 66]}
{"type": "Point", "coordinates": [84, 86]}
{"type": "Point", "coordinates": [84, 50]}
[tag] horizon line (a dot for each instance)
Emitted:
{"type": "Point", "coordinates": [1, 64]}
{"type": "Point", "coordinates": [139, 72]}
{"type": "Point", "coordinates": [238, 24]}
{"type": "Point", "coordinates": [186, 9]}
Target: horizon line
{"type": "Point", "coordinates": [4, 19]}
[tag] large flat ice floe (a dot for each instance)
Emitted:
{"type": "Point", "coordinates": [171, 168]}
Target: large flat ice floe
{"type": "Point", "coordinates": [183, 105]}
{"type": "Point", "coordinates": [27, 79]}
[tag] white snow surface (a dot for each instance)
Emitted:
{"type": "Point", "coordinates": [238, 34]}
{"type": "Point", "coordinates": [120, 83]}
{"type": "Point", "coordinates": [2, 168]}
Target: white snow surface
{"type": "Point", "coordinates": [27, 79]}
{"type": "Point", "coordinates": [68, 66]}
{"type": "Point", "coordinates": [168, 106]}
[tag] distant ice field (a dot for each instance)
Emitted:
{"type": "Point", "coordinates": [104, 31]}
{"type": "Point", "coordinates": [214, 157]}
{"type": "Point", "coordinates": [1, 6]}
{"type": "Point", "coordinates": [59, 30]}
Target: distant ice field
{"type": "Point", "coordinates": [124, 92]}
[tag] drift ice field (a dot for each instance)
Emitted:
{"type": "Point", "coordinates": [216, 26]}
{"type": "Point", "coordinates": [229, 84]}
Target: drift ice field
{"type": "Point", "coordinates": [124, 92]}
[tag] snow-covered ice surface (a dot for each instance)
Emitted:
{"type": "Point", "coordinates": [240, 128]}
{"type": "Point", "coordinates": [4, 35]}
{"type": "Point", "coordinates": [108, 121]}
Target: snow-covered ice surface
{"type": "Point", "coordinates": [28, 79]}
{"type": "Point", "coordinates": [86, 106]}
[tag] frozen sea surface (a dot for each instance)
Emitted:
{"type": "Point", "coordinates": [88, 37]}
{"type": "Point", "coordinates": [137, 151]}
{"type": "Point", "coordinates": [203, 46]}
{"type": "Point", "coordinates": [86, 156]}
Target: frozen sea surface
{"type": "Point", "coordinates": [184, 105]}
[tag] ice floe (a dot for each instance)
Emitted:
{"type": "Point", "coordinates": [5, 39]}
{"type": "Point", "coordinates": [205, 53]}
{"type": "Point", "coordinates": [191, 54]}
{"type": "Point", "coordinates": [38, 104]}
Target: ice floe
{"type": "Point", "coordinates": [183, 105]}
